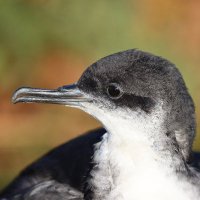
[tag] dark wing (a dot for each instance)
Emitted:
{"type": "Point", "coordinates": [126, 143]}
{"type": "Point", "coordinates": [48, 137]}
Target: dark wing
{"type": "Point", "coordinates": [195, 160]}
{"type": "Point", "coordinates": [60, 174]}
{"type": "Point", "coordinates": [47, 190]}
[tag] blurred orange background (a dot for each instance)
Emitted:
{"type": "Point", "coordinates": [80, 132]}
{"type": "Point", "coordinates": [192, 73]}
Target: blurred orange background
{"type": "Point", "coordinates": [48, 43]}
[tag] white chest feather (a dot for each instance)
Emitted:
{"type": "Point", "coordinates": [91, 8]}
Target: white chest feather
{"type": "Point", "coordinates": [123, 174]}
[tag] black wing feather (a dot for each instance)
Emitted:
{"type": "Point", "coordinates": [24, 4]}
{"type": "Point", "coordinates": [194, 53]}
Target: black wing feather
{"type": "Point", "coordinates": [60, 174]}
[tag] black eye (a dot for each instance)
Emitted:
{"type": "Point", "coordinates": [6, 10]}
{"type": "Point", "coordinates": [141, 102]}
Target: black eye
{"type": "Point", "coordinates": [114, 91]}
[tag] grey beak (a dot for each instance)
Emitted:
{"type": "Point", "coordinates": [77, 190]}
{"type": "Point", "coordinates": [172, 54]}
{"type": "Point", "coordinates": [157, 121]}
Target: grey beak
{"type": "Point", "coordinates": [65, 95]}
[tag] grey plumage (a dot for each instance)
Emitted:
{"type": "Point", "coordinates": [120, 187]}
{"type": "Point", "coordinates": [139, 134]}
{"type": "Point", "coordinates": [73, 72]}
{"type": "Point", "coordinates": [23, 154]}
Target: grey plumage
{"type": "Point", "coordinates": [143, 80]}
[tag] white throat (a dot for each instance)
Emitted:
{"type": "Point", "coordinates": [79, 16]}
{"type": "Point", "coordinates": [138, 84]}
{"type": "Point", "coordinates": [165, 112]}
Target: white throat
{"type": "Point", "coordinates": [127, 167]}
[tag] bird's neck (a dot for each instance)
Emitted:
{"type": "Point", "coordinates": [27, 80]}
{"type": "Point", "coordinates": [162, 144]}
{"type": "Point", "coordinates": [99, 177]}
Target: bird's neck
{"type": "Point", "coordinates": [158, 149]}
{"type": "Point", "coordinates": [138, 159]}
{"type": "Point", "coordinates": [147, 138]}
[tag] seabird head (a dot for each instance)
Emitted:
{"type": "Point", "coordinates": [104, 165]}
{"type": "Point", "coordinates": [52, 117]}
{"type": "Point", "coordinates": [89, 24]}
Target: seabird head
{"type": "Point", "coordinates": [129, 90]}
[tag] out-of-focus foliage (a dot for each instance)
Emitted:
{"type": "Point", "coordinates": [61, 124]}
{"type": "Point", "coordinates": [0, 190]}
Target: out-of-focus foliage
{"type": "Point", "coordinates": [50, 42]}
{"type": "Point", "coordinates": [30, 28]}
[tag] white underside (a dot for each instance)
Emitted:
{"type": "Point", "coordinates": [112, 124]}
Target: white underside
{"type": "Point", "coordinates": [130, 175]}
{"type": "Point", "coordinates": [127, 166]}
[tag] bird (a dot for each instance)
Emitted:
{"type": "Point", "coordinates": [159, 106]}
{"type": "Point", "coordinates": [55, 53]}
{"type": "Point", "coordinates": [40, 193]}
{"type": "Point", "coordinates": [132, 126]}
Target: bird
{"type": "Point", "coordinates": [143, 149]}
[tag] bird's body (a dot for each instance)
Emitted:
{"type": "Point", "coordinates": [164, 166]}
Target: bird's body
{"type": "Point", "coordinates": [144, 152]}
{"type": "Point", "coordinates": [56, 175]}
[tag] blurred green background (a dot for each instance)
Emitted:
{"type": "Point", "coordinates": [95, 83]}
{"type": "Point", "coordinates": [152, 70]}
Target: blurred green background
{"type": "Point", "coordinates": [49, 43]}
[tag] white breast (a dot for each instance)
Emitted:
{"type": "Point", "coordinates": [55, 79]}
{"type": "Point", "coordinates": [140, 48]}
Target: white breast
{"type": "Point", "coordinates": [120, 176]}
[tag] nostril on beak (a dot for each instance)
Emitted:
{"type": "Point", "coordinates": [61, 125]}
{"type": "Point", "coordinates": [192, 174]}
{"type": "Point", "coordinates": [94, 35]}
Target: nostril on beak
{"type": "Point", "coordinates": [67, 87]}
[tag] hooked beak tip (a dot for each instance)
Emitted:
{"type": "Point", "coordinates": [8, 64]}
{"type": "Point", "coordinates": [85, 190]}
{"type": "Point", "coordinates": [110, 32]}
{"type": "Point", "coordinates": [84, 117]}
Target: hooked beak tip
{"type": "Point", "coordinates": [16, 95]}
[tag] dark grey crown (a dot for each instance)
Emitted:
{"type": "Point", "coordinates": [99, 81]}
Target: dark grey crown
{"type": "Point", "coordinates": [145, 79]}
